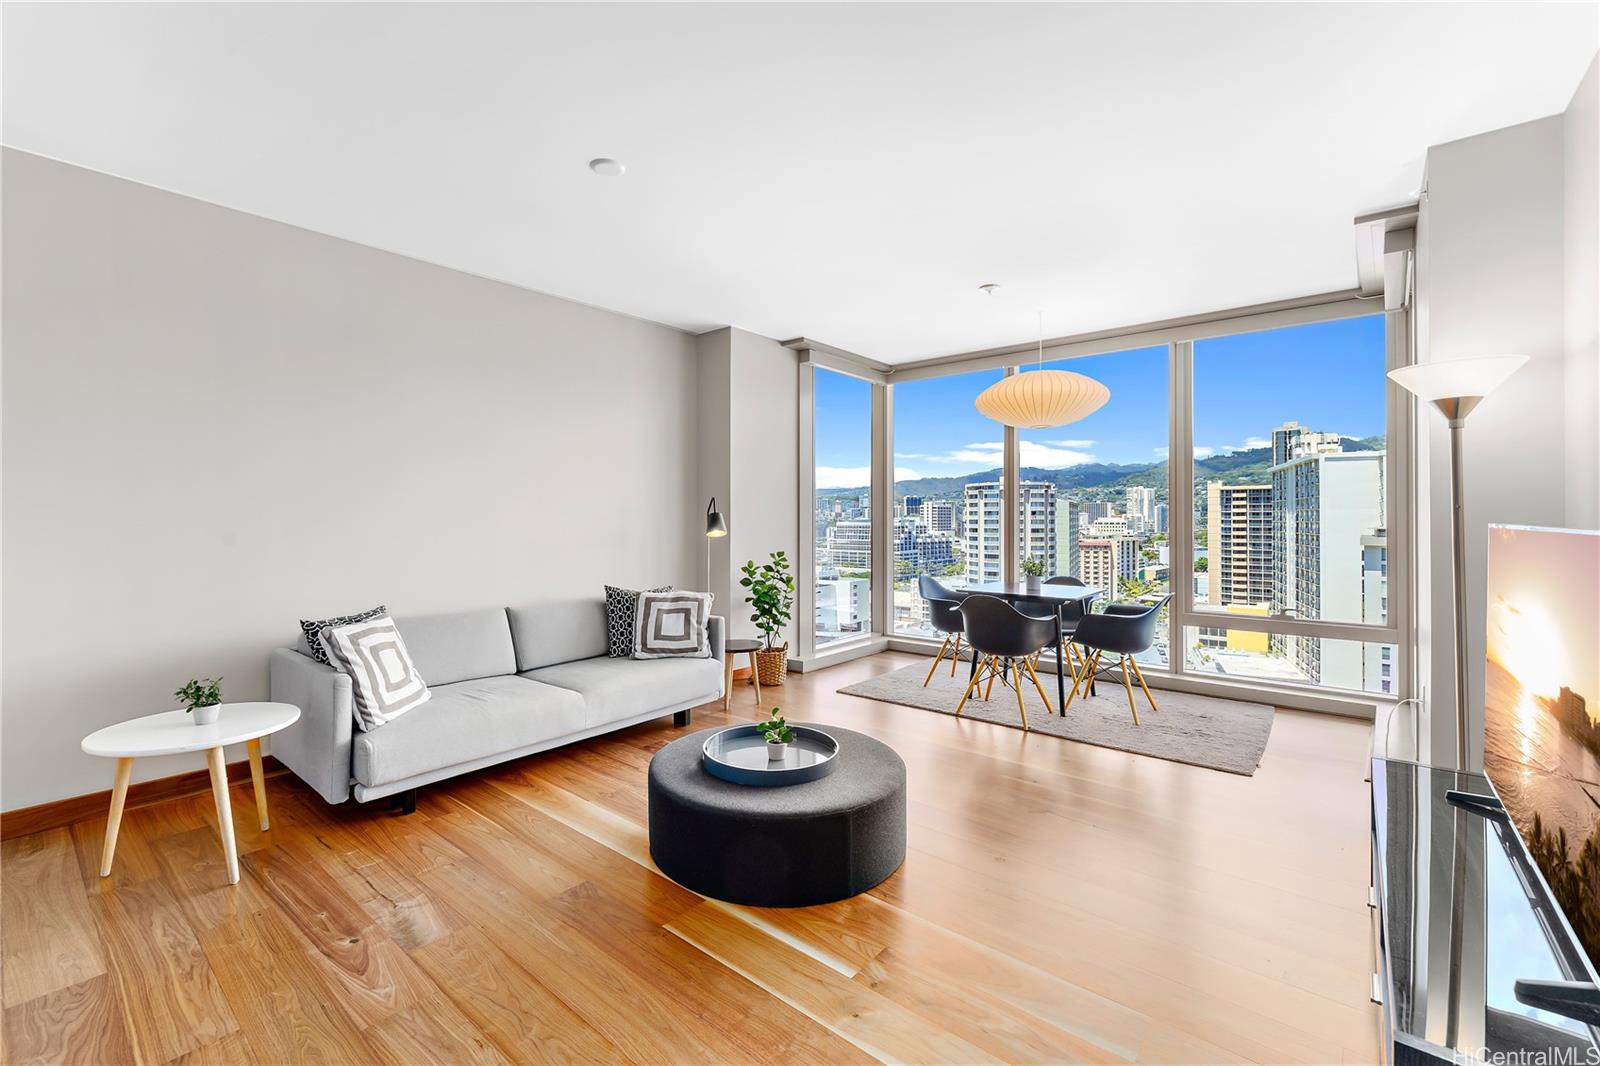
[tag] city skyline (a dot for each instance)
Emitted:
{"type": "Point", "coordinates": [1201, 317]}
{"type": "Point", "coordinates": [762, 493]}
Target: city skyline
{"type": "Point", "coordinates": [1337, 386]}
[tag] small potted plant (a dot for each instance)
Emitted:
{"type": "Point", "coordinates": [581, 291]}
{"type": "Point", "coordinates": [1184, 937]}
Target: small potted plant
{"type": "Point", "coordinates": [778, 736]}
{"type": "Point", "coordinates": [771, 598]}
{"type": "Point", "coordinates": [202, 697]}
{"type": "Point", "coordinates": [1032, 572]}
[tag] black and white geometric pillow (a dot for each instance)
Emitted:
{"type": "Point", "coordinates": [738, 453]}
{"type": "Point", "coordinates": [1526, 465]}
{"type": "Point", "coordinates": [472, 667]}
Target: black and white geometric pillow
{"type": "Point", "coordinates": [384, 683]}
{"type": "Point", "coordinates": [313, 629]}
{"type": "Point", "coordinates": [673, 624]}
{"type": "Point", "coordinates": [621, 606]}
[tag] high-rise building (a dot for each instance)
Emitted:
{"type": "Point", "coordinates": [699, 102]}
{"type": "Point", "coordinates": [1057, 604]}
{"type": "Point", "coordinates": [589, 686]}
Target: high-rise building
{"type": "Point", "coordinates": [1036, 522]}
{"type": "Point", "coordinates": [1093, 511]}
{"type": "Point", "coordinates": [844, 605]}
{"type": "Point", "coordinates": [850, 544]}
{"type": "Point", "coordinates": [917, 551]}
{"type": "Point", "coordinates": [1294, 441]}
{"type": "Point", "coordinates": [938, 515]}
{"type": "Point", "coordinates": [1115, 525]}
{"type": "Point", "coordinates": [1140, 502]}
{"type": "Point", "coordinates": [1238, 543]}
{"type": "Point", "coordinates": [1068, 511]}
{"type": "Point", "coordinates": [1161, 522]}
{"type": "Point", "coordinates": [1323, 504]}
{"type": "Point", "coordinates": [1106, 562]}
{"type": "Point", "coordinates": [980, 519]}
{"type": "Point", "coordinates": [913, 505]}
{"type": "Point", "coordinates": [1378, 663]}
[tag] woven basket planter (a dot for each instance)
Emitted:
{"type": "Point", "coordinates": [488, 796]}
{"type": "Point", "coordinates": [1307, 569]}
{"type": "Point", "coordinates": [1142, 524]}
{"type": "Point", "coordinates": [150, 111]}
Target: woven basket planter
{"type": "Point", "coordinates": [773, 666]}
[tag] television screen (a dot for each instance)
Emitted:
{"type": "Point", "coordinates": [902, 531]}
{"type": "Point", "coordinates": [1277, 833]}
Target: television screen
{"type": "Point", "coordinates": [1541, 742]}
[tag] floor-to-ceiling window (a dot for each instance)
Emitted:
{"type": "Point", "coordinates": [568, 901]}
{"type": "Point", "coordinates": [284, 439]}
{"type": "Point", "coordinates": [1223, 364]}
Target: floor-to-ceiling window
{"type": "Point", "coordinates": [1290, 517]}
{"type": "Point", "coordinates": [1093, 494]}
{"type": "Point", "coordinates": [948, 461]}
{"type": "Point", "coordinates": [843, 522]}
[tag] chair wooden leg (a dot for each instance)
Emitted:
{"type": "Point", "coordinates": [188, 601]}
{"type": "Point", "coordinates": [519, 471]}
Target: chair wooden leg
{"type": "Point", "coordinates": [1139, 674]}
{"type": "Point", "coordinates": [1128, 685]}
{"type": "Point", "coordinates": [936, 659]}
{"type": "Point", "coordinates": [994, 672]}
{"type": "Point", "coordinates": [1046, 699]}
{"type": "Point", "coordinates": [1016, 673]}
{"type": "Point", "coordinates": [971, 684]}
{"type": "Point", "coordinates": [955, 656]}
{"type": "Point", "coordinates": [1078, 681]}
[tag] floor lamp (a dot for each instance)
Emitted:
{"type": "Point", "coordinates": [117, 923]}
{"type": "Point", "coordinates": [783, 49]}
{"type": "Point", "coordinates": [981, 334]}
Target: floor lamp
{"type": "Point", "coordinates": [716, 527]}
{"type": "Point", "coordinates": [1454, 387]}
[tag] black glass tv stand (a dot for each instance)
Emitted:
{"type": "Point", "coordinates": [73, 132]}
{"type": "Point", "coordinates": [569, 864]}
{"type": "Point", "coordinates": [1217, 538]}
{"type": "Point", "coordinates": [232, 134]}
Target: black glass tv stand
{"type": "Point", "coordinates": [1458, 934]}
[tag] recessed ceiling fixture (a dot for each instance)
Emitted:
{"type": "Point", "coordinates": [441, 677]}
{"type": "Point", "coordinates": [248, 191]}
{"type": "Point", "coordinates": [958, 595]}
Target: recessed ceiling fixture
{"type": "Point", "coordinates": [1040, 399]}
{"type": "Point", "coordinates": [989, 289]}
{"type": "Point", "coordinates": [607, 168]}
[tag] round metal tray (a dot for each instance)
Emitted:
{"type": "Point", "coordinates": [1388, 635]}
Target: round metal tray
{"type": "Point", "coordinates": [739, 754]}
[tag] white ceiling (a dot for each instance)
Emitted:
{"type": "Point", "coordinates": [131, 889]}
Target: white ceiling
{"type": "Point", "coordinates": [847, 172]}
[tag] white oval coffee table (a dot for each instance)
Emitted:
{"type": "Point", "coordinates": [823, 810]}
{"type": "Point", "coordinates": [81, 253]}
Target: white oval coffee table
{"type": "Point", "coordinates": [173, 733]}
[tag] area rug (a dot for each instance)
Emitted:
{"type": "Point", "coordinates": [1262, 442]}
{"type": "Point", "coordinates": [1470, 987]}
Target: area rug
{"type": "Point", "coordinates": [1219, 734]}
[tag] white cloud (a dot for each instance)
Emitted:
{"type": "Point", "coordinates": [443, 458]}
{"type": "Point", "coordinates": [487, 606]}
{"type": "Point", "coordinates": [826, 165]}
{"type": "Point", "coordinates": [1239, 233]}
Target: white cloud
{"type": "Point", "coordinates": [856, 477]}
{"type": "Point", "coordinates": [1046, 454]}
{"type": "Point", "coordinates": [1161, 453]}
{"type": "Point", "coordinates": [1202, 451]}
{"type": "Point", "coordinates": [1255, 442]}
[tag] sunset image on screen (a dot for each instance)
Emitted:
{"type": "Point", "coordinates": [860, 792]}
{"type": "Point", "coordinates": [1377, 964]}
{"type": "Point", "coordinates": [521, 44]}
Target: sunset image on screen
{"type": "Point", "coordinates": [1541, 743]}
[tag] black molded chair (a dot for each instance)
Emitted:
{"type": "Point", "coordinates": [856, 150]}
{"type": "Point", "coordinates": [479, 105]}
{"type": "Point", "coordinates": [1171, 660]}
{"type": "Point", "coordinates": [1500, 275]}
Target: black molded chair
{"type": "Point", "coordinates": [1005, 641]}
{"type": "Point", "coordinates": [944, 612]}
{"type": "Point", "coordinates": [1071, 614]}
{"type": "Point", "coordinates": [1122, 630]}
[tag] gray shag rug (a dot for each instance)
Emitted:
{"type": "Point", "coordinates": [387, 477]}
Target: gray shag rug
{"type": "Point", "coordinates": [1218, 734]}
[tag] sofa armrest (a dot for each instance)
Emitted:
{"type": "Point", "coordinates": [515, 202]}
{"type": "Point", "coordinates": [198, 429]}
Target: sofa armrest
{"type": "Point", "coordinates": [717, 633]}
{"type": "Point", "coordinates": [317, 747]}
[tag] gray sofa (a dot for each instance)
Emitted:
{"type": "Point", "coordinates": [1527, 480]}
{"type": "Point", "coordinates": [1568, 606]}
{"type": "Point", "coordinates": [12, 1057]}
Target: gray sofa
{"type": "Point", "coordinates": [505, 682]}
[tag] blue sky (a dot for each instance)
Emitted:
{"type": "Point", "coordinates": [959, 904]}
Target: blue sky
{"type": "Point", "coordinates": [1328, 376]}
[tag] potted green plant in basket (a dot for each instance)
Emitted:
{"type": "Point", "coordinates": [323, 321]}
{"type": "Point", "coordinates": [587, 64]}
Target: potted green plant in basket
{"type": "Point", "coordinates": [778, 734]}
{"type": "Point", "coordinates": [202, 697]}
{"type": "Point", "coordinates": [771, 598]}
{"type": "Point", "coordinates": [1032, 572]}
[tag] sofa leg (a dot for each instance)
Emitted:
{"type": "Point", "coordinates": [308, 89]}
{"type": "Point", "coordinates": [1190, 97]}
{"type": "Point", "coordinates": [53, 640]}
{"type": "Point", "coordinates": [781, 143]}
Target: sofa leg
{"type": "Point", "coordinates": [406, 802]}
{"type": "Point", "coordinates": [682, 717]}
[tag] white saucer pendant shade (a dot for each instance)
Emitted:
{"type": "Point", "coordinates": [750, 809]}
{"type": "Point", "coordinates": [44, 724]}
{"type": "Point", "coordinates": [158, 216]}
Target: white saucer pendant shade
{"type": "Point", "coordinates": [1039, 399]}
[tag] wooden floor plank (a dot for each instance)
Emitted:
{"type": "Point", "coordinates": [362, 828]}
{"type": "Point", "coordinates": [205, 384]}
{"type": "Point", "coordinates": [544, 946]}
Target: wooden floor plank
{"type": "Point", "coordinates": [48, 932]}
{"type": "Point", "coordinates": [1059, 903]}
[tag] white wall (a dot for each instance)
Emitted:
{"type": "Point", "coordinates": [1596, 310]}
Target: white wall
{"type": "Point", "coordinates": [749, 447]}
{"type": "Point", "coordinates": [215, 425]}
{"type": "Point", "coordinates": [1581, 159]}
{"type": "Point", "coordinates": [1495, 241]}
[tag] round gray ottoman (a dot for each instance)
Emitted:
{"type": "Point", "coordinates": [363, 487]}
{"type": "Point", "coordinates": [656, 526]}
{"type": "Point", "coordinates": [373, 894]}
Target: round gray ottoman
{"type": "Point", "coordinates": [790, 846]}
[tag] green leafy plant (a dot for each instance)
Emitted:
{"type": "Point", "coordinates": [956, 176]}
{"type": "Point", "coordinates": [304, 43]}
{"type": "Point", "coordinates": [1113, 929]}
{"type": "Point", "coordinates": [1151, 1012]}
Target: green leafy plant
{"type": "Point", "coordinates": [200, 692]}
{"type": "Point", "coordinates": [1033, 567]}
{"type": "Point", "coordinates": [771, 596]}
{"type": "Point", "coordinates": [775, 730]}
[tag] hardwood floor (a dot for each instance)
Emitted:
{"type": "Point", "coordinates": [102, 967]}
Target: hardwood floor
{"type": "Point", "coordinates": [1059, 903]}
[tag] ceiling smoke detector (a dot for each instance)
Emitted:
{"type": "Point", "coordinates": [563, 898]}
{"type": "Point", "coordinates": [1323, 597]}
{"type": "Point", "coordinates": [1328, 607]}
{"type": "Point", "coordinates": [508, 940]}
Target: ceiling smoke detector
{"type": "Point", "coordinates": [607, 168]}
{"type": "Point", "coordinates": [989, 289]}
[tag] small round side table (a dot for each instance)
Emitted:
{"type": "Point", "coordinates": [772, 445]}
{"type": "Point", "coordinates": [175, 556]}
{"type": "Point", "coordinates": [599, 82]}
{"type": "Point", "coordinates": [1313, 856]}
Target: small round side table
{"type": "Point", "coordinates": [173, 733]}
{"type": "Point", "coordinates": [729, 650]}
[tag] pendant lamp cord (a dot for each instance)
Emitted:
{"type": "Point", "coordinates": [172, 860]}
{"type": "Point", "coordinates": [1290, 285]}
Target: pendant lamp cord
{"type": "Point", "coordinates": [1041, 338]}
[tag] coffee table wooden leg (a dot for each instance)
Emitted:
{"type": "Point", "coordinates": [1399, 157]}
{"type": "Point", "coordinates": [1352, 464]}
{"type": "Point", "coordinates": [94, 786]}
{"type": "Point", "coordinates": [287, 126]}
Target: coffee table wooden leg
{"type": "Point", "coordinates": [755, 679]}
{"type": "Point", "coordinates": [727, 680]}
{"type": "Point", "coordinates": [258, 778]}
{"type": "Point", "coordinates": [219, 790]}
{"type": "Point", "coordinates": [119, 797]}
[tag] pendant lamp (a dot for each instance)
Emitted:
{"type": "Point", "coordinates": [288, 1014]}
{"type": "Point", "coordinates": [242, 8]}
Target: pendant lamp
{"type": "Point", "coordinates": [1039, 399]}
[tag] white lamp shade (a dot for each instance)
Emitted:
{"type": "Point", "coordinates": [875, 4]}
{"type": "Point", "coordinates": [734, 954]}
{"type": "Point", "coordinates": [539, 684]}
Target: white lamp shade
{"type": "Point", "coordinates": [1039, 399]}
{"type": "Point", "coordinates": [1454, 379]}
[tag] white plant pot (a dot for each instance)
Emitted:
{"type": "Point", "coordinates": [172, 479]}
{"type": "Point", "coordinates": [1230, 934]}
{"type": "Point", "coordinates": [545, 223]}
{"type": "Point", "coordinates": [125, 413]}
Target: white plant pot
{"type": "Point", "coordinates": [206, 715]}
{"type": "Point", "coordinates": [776, 751]}
{"type": "Point", "coordinates": [1033, 584]}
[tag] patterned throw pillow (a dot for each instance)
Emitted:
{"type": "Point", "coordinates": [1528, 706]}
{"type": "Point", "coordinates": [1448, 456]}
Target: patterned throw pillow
{"type": "Point", "coordinates": [621, 607]}
{"type": "Point", "coordinates": [672, 624]}
{"type": "Point", "coordinates": [384, 682]}
{"type": "Point", "coordinates": [312, 629]}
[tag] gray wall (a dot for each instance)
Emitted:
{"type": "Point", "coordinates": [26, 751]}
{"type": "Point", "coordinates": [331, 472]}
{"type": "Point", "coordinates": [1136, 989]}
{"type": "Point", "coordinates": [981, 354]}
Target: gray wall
{"type": "Point", "coordinates": [1581, 133]}
{"type": "Point", "coordinates": [1494, 244]}
{"type": "Point", "coordinates": [214, 425]}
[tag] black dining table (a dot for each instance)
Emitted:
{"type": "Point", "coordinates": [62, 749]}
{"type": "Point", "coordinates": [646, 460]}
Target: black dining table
{"type": "Point", "coordinates": [1053, 598]}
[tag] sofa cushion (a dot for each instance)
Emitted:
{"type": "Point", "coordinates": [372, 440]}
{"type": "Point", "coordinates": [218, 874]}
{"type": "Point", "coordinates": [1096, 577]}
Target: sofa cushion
{"type": "Point", "coordinates": [465, 721]}
{"type": "Point", "coordinates": [614, 689]}
{"type": "Point", "coordinates": [559, 631]}
{"type": "Point", "coordinates": [461, 645]}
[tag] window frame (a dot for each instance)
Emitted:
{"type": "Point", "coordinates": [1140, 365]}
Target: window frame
{"type": "Point", "coordinates": [1178, 338]}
